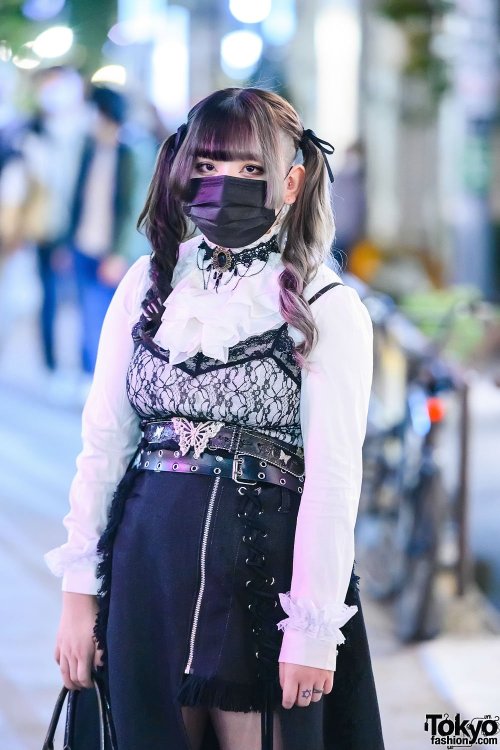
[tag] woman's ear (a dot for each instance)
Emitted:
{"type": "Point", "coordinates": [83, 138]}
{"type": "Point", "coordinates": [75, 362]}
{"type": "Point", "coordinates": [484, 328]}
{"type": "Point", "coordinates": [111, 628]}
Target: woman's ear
{"type": "Point", "coordinates": [293, 183]}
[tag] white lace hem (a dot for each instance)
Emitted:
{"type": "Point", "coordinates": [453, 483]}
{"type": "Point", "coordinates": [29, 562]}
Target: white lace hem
{"type": "Point", "coordinates": [324, 623]}
{"type": "Point", "coordinates": [61, 559]}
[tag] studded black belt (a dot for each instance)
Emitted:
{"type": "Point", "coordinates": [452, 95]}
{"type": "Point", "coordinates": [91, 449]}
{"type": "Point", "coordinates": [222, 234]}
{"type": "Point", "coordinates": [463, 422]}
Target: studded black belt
{"type": "Point", "coordinates": [184, 445]}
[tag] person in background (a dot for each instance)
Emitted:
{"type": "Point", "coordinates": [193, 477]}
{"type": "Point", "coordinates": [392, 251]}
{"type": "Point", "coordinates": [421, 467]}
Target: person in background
{"type": "Point", "coordinates": [100, 212]}
{"type": "Point", "coordinates": [349, 204]}
{"type": "Point", "coordinates": [52, 147]}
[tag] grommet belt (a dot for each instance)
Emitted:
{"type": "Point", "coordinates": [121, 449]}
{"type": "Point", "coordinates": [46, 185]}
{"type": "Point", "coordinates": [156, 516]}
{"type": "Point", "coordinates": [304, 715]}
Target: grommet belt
{"type": "Point", "coordinates": [241, 468]}
{"type": "Point", "coordinates": [220, 436]}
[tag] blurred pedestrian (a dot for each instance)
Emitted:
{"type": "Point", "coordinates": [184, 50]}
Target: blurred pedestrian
{"type": "Point", "coordinates": [51, 148]}
{"type": "Point", "coordinates": [13, 186]}
{"type": "Point", "coordinates": [100, 211]}
{"type": "Point", "coordinates": [349, 204]}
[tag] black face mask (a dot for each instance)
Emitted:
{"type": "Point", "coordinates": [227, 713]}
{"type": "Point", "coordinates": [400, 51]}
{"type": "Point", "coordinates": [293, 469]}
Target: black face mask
{"type": "Point", "coordinates": [229, 211]}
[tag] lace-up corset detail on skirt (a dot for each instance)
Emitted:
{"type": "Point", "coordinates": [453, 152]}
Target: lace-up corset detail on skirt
{"type": "Point", "coordinates": [258, 387]}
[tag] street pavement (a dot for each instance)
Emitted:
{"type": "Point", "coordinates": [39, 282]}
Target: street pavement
{"type": "Point", "coordinates": [39, 441]}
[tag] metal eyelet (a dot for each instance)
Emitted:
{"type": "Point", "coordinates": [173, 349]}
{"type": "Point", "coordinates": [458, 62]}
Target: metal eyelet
{"type": "Point", "coordinates": [301, 479]}
{"type": "Point", "coordinates": [146, 463]}
{"type": "Point", "coordinates": [261, 475]}
{"type": "Point", "coordinates": [282, 481]}
{"type": "Point", "coordinates": [194, 468]}
{"type": "Point", "coordinates": [175, 466]}
{"type": "Point", "coordinates": [219, 458]}
{"type": "Point", "coordinates": [247, 583]}
{"type": "Point", "coordinates": [262, 463]}
{"type": "Point", "coordinates": [158, 466]}
{"type": "Point", "coordinates": [242, 490]}
{"type": "Point", "coordinates": [176, 454]}
{"type": "Point", "coordinates": [299, 490]}
{"type": "Point", "coordinates": [271, 582]}
{"type": "Point", "coordinates": [160, 453]}
{"type": "Point", "coordinates": [217, 470]}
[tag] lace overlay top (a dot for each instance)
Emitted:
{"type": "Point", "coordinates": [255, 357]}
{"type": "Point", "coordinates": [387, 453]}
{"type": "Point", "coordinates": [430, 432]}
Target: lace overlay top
{"type": "Point", "coordinates": [259, 385]}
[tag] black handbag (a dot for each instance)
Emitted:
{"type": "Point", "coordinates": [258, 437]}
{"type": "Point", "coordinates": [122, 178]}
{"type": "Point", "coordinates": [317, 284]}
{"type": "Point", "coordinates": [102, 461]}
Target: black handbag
{"type": "Point", "coordinates": [89, 723]}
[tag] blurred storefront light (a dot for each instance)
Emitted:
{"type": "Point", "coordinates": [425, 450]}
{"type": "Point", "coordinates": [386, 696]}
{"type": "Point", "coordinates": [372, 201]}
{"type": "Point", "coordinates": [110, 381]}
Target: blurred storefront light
{"type": "Point", "coordinates": [42, 10]}
{"type": "Point", "coordinates": [110, 74]}
{"type": "Point", "coordinates": [53, 42]}
{"type": "Point", "coordinates": [26, 58]}
{"type": "Point", "coordinates": [281, 23]}
{"type": "Point", "coordinates": [134, 31]}
{"type": "Point", "coordinates": [338, 50]}
{"type": "Point", "coordinates": [5, 52]}
{"type": "Point", "coordinates": [169, 87]}
{"type": "Point", "coordinates": [240, 52]}
{"type": "Point", "coordinates": [250, 11]}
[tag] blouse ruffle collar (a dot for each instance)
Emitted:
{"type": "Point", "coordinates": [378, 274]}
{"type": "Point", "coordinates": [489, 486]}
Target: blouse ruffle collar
{"type": "Point", "coordinates": [197, 319]}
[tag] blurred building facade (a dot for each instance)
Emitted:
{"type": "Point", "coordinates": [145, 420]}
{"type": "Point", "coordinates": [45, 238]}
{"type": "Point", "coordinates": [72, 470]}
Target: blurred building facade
{"type": "Point", "coordinates": [416, 84]}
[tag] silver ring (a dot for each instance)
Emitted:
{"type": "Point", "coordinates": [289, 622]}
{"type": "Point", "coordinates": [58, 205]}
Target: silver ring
{"type": "Point", "coordinates": [261, 475]}
{"type": "Point", "coordinates": [217, 470]}
{"type": "Point", "coordinates": [194, 468]}
{"type": "Point", "coordinates": [282, 481]}
{"type": "Point", "coordinates": [175, 466]}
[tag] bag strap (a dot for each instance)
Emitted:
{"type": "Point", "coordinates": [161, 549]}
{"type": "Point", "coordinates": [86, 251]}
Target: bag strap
{"type": "Point", "coordinates": [106, 731]}
{"type": "Point", "coordinates": [323, 290]}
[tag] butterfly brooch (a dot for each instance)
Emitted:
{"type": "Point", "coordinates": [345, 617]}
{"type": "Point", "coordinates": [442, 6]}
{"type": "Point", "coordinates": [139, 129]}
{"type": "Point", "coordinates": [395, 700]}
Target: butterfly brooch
{"type": "Point", "coordinates": [194, 435]}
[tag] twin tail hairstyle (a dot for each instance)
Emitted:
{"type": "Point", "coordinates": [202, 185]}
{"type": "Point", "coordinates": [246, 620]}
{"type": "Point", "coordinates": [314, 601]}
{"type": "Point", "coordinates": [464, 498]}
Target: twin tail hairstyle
{"type": "Point", "coordinates": [253, 124]}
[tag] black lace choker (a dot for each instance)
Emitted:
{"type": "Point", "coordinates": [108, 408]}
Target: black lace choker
{"type": "Point", "coordinates": [221, 260]}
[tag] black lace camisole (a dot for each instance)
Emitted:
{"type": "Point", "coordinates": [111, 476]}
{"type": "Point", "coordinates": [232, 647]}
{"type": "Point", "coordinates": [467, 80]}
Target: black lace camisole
{"type": "Point", "coordinates": [258, 387]}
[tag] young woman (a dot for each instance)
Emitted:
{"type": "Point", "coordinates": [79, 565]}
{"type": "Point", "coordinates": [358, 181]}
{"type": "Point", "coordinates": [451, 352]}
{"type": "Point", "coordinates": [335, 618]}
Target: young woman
{"type": "Point", "coordinates": [209, 562]}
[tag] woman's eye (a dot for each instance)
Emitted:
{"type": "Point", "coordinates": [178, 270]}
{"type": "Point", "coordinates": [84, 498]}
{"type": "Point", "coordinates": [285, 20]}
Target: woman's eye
{"type": "Point", "coordinates": [253, 169]}
{"type": "Point", "coordinates": [203, 166]}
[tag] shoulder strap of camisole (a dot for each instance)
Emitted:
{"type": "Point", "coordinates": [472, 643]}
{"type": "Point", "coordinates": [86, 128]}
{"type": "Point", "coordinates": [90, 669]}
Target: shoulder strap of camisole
{"type": "Point", "coordinates": [323, 290]}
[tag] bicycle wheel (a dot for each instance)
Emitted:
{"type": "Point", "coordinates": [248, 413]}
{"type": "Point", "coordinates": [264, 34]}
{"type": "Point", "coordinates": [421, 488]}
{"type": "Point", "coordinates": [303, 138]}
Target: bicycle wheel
{"type": "Point", "coordinates": [416, 611]}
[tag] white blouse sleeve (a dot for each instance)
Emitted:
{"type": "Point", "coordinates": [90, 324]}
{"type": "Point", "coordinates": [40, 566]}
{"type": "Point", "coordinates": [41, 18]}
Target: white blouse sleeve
{"type": "Point", "coordinates": [333, 413]}
{"type": "Point", "coordinates": [110, 433]}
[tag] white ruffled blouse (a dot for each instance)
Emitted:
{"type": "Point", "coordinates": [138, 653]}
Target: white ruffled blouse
{"type": "Point", "coordinates": [334, 400]}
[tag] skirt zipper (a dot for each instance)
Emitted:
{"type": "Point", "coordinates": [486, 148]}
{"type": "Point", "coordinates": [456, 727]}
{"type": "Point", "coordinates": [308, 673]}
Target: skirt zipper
{"type": "Point", "coordinates": [202, 574]}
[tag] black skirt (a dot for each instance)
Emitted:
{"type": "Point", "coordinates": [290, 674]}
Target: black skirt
{"type": "Point", "coordinates": [191, 566]}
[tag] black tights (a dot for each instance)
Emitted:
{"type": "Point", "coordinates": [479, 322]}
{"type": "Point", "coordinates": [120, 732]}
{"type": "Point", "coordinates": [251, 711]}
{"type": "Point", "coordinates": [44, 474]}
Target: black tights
{"type": "Point", "coordinates": [237, 730]}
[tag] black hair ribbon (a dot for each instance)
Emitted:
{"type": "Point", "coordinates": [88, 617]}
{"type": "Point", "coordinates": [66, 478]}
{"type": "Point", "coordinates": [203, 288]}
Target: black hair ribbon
{"type": "Point", "coordinates": [324, 146]}
{"type": "Point", "coordinates": [179, 137]}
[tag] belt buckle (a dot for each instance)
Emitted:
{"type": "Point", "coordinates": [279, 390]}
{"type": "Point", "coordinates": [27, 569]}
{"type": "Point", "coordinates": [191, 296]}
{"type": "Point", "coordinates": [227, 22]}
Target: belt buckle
{"type": "Point", "coordinates": [237, 459]}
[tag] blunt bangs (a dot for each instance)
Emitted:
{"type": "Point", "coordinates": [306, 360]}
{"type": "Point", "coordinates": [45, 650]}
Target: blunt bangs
{"type": "Point", "coordinates": [233, 125]}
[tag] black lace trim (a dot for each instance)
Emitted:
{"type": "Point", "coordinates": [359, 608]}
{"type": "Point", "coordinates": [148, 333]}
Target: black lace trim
{"type": "Point", "coordinates": [276, 343]}
{"type": "Point", "coordinates": [218, 261]}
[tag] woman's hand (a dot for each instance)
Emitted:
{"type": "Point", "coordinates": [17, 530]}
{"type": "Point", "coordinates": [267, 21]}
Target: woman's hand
{"type": "Point", "coordinates": [297, 683]}
{"type": "Point", "coordinates": [76, 649]}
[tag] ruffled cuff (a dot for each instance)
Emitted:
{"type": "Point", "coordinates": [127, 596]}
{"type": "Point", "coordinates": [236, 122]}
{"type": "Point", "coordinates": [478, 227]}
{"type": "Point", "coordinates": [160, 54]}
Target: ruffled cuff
{"type": "Point", "coordinates": [64, 558]}
{"type": "Point", "coordinates": [321, 623]}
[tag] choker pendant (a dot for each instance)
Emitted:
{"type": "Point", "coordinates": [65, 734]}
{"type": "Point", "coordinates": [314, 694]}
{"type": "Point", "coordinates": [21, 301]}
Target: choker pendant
{"type": "Point", "coordinates": [222, 260]}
